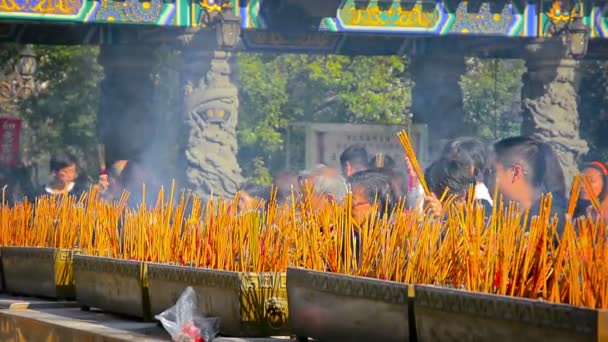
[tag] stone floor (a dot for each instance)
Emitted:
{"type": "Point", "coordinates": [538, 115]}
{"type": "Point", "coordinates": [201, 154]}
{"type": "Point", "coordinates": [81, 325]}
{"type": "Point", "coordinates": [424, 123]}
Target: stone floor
{"type": "Point", "coordinates": [28, 319]}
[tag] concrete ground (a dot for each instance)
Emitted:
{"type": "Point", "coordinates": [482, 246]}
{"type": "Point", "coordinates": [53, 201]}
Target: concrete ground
{"type": "Point", "coordinates": [28, 319]}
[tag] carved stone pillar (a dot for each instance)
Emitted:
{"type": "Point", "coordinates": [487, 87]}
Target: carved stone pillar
{"type": "Point", "coordinates": [125, 123]}
{"type": "Point", "coordinates": [437, 97]}
{"type": "Point", "coordinates": [549, 100]}
{"type": "Point", "coordinates": [211, 114]}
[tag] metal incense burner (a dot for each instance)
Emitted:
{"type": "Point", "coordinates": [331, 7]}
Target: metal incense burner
{"type": "Point", "coordinates": [113, 285]}
{"type": "Point", "coordinates": [333, 307]}
{"type": "Point", "coordinates": [444, 314]}
{"type": "Point", "coordinates": [248, 304]}
{"type": "Point", "coordinates": [34, 271]}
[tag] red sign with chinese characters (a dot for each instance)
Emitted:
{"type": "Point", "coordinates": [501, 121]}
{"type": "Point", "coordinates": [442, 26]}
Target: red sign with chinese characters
{"type": "Point", "coordinates": [10, 129]}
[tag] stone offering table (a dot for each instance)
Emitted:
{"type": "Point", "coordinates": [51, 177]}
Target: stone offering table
{"type": "Point", "coordinates": [31, 319]}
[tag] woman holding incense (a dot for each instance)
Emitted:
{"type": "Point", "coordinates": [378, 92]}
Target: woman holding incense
{"type": "Point", "coordinates": [596, 174]}
{"type": "Point", "coordinates": [453, 178]}
{"type": "Point", "coordinates": [473, 152]}
{"type": "Point", "coordinates": [524, 169]}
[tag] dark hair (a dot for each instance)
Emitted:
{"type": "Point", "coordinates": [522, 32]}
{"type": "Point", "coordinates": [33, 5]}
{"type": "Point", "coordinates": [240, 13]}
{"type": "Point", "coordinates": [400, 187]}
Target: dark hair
{"type": "Point", "coordinates": [382, 160]}
{"type": "Point", "coordinates": [469, 150]}
{"type": "Point", "coordinates": [399, 190]}
{"type": "Point", "coordinates": [61, 161]}
{"type": "Point", "coordinates": [285, 182]}
{"type": "Point", "coordinates": [452, 174]}
{"type": "Point", "coordinates": [355, 155]}
{"type": "Point", "coordinates": [257, 191]}
{"type": "Point", "coordinates": [602, 168]}
{"type": "Point", "coordinates": [376, 185]}
{"type": "Point", "coordinates": [542, 168]}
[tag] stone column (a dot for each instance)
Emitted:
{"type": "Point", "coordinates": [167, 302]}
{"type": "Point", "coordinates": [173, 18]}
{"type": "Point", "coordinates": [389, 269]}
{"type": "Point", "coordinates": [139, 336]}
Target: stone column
{"type": "Point", "coordinates": [437, 97]}
{"type": "Point", "coordinates": [549, 100]}
{"type": "Point", "coordinates": [211, 114]}
{"type": "Point", "coordinates": [125, 123]}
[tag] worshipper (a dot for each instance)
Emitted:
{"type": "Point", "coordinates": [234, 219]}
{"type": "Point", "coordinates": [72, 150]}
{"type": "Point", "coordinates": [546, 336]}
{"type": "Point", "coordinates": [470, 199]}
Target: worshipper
{"type": "Point", "coordinates": [369, 187]}
{"type": "Point", "coordinates": [382, 161]}
{"type": "Point", "coordinates": [327, 184]}
{"type": "Point", "coordinates": [415, 191]}
{"type": "Point", "coordinates": [286, 184]}
{"type": "Point", "coordinates": [521, 167]}
{"type": "Point", "coordinates": [474, 153]}
{"type": "Point", "coordinates": [597, 174]}
{"type": "Point", "coordinates": [453, 176]}
{"type": "Point", "coordinates": [65, 173]}
{"type": "Point", "coordinates": [353, 159]}
{"type": "Point", "coordinates": [133, 178]}
{"type": "Point", "coordinates": [253, 196]}
{"type": "Point", "coordinates": [387, 165]}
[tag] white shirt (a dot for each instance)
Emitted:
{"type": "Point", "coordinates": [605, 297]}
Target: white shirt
{"type": "Point", "coordinates": [482, 193]}
{"type": "Point", "coordinates": [53, 192]}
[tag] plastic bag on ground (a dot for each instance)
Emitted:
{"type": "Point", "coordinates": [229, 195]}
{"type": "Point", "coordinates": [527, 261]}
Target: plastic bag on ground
{"type": "Point", "coordinates": [185, 323]}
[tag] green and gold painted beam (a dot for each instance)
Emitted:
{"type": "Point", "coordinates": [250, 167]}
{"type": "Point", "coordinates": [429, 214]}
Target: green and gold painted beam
{"type": "Point", "coordinates": [267, 25]}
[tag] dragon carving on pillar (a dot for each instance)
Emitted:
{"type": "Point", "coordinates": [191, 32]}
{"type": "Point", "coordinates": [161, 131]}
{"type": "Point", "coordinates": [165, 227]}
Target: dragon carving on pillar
{"type": "Point", "coordinates": [211, 115]}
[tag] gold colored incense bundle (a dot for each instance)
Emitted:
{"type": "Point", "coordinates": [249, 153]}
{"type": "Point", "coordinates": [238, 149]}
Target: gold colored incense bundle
{"type": "Point", "coordinates": [510, 254]}
{"type": "Point", "coordinates": [411, 156]}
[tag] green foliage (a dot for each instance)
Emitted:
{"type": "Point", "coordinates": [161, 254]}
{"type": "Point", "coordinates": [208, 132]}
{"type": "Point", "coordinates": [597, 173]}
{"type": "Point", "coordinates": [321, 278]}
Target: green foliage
{"type": "Point", "coordinates": [278, 90]}
{"type": "Point", "coordinates": [491, 94]}
{"type": "Point", "coordinates": [593, 102]}
{"type": "Point", "coordinates": [63, 115]}
{"type": "Point", "coordinates": [165, 152]}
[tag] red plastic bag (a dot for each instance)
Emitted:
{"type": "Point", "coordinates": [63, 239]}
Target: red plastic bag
{"type": "Point", "coordinates": [186, 324]}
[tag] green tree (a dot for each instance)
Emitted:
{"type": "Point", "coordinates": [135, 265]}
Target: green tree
{"type": "Point", "coordinates": [593, 101]}
{"type": "Point", "coordinates": [277, 90]}
{"type": "Point", "coordinates": [491, 97]}
{"type": "Point", "coordinates": [63, 115]}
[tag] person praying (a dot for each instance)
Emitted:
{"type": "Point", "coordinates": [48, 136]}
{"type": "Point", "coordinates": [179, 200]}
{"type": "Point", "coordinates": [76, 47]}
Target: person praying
{"type": "Point", "coordinates": [523, 168]}
{"type": "Point", "coordinates": [368, 187]}
{"type": "Point", "coordinates": [253, 197]}
{"type": "Point", "coordinates": [454, 177]}
{"type": "Point", "coordinates": [473, 152]}
{"type": "Point", "coordinates": [354, 159]}
{"type": "Point", "coordinates": [65, 173]}
{"type": "Point", "coordinates": [597, 174]}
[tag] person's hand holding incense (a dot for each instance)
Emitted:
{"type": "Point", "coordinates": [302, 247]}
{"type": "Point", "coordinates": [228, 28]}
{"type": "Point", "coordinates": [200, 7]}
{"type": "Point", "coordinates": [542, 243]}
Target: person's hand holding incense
{"type": "Point", "coordinates": [104, 182]}
{"type": "Point", "coordinates": [433, 206]}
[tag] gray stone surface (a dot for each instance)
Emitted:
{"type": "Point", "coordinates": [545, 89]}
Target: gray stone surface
{"type": "Point", "coordinates": [52, 322]}
{"type": "Point", "coordinates": [9, 302]}
{"type": "Point", "coordinates": [437, 97]}
{"type": "Point", "coordinates": [549, 99]}
{"type": "Point", "coordinates": [211, 114]}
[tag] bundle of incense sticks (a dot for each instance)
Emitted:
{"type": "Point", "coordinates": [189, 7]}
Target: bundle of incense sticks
{"type": "Point", "coordinates": [410, 153]}
{"type": "Point", "coordinates": [511, 254]}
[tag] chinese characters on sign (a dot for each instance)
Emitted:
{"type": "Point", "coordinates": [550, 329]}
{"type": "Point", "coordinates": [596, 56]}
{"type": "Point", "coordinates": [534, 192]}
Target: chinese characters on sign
{"type": "Point", "coordinates": [330, 140]}
{"type": "Point", "coordinates": [10, 129]}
